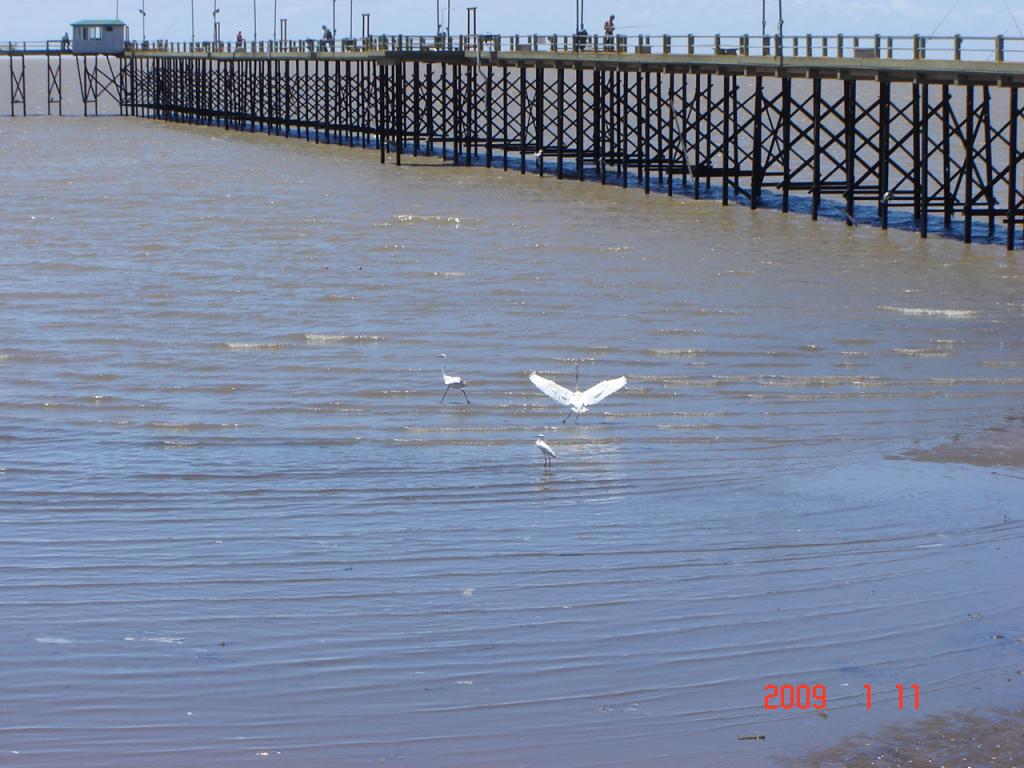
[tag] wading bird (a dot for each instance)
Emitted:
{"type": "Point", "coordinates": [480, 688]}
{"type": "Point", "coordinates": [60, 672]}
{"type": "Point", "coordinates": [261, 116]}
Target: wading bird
{"type": "Point", "coordinates": [451, 382]}
{"type": "Point", "coordinates": [577, 401]}
{"type": "Point", "coordinates": [545, 450]}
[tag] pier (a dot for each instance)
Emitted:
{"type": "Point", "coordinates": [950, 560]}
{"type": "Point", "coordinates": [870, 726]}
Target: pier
{"type": "Point", "coordinates": [929, 127]}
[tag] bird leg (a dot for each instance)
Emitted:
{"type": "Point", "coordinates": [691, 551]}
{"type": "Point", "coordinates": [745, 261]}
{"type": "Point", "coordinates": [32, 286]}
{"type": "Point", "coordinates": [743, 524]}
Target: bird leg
{"type": "Point", "coordinates": [445, 392]}
{"type": "Point", "coordinates": [465, 396]}
{"type": "Point", "coordinates": [577, 419]}
{"type": "Point", "coordinates": [567, 417]}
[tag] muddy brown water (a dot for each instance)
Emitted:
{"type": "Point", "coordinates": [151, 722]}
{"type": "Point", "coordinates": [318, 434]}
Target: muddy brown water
{"type": "Point", "coordinates": [236, 523]}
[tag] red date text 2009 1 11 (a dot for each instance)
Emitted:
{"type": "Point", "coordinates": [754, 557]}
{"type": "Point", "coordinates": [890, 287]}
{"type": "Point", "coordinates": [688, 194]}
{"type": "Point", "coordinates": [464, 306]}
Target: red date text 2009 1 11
{"type": "Point", "coordinates": [816, 696]}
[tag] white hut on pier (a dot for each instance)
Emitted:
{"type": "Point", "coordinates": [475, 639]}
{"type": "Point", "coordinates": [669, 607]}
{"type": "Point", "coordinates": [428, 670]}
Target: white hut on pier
{"type": "Point", "coordinates": [98, 36]}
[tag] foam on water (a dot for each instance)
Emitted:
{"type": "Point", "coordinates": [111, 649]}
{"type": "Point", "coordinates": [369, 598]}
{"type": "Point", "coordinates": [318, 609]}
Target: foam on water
{"type": "Point", "coordinates": [957, 314]}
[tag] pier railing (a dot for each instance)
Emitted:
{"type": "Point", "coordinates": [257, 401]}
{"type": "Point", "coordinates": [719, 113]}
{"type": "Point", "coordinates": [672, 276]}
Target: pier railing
{"type": "Point", "coordinates": [904, 47]}
{"type": "Point", "coordinates": [34, 46]}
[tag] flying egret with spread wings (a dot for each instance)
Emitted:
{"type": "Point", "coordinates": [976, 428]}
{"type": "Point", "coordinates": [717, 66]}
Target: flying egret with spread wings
{"type": "Point", "coordinates": [451, 382]}
{"type": "Point", "coordinates": [545, 450]}
{"type": "Point", "coordinates": [577, 401]}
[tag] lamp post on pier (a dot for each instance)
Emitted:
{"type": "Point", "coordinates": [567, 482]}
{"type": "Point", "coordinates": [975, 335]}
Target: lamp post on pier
{"type": "Point", "coordinates": [193, 5]}
{"type": "Point", "coordinates": [142, 10]}
{"type": "Point", "coordinates": [781, 45]}
{"type": "Point", "coordinates": [254, 20]}
{"type": "Point", "coordinates": [334, 19]}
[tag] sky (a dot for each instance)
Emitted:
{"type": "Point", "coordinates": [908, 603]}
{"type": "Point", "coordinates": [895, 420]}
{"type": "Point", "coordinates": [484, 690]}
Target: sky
{"type": "Point", "coordinates": [171, 19]}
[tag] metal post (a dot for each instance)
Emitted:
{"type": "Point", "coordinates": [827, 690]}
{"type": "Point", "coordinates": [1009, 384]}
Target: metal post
{"type": "Point", "coordinates": [757, 160]}
{"type": "Point", "coordinates": [522, 119]}
{"type": "Point", "coordinates": [382, 96]}
{"type": "Point", "coordinates": [599, 125]}
{"type": "Point", "coordinates": [916, 147]}
{"type": "Point", "coordinates": [724, 153]}
{"type": "Point", "coordinates": [505, 122]}
{"type": "Point", "coordinates": [446, 106]}
{"type": "Point", "coordinates": [645, 160]}
{"type": "Point", "coordinates": [989, 180]}
{"type": "Point", "coordinates": [883, 152]}
{"type": "Point", "coordinates": [659, 103]}
{"type": "Point", "coordinates": [489, 115]}
{"type": "Point", "coordinates": [579, 122]}
{"type": "Point", "coordinates": [458, 108]}
{"type": "Point", "coordinates": [399, 107]}
{"type": "Point", "coordinates": [786, 123]}
{"type": "Point", "coordinates": [622, 127]}
{"type": "Point", "coordinates": [350, 120]}
{"type": "Point", "coordinates": [671, 155]}
{"type": "Point", "coordinates": [560, 122]}
{"type": "Point", "coordinates": [1011, 194]}
{"type": "Point", "coordinates": [850, 139]}
{"type": "Point", "coordinates": [922, 165]}
{"type": "Point", "coordinates": [947, 187]}
{"type": "Point", "coordinates": [816, 150]}
{"type": "Point", "coordinates": [698, 92]}
{"type": "Point", "coordinates": [538, 128]}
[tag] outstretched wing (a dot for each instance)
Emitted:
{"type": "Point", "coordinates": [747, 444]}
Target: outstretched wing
{"type": "Point", "coordinates": [601, 390]}
{"type": "Point", "coordinates": [556, 392]}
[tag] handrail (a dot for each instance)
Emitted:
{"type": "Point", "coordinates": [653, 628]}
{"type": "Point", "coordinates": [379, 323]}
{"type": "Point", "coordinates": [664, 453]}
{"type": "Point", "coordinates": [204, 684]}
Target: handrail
{"type": "Point", "coordinates": [997, 49]}
{"type": "Point", "coordinates": [903, 47]}
{"type": "Point", "coordinates": [33, 46]}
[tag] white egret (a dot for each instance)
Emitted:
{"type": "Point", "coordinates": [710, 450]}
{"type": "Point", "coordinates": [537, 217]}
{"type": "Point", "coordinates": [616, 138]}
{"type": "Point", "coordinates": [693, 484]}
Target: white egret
{"type": "Point", "coordinates": [545, 450]}
{"type": "Point", "coordinates": [577, 401]}
{"type": "Point", "coordinates": [451, 382]}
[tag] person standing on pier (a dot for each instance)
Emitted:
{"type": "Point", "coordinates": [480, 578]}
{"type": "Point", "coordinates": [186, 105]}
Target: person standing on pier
{"type": "Point", "coordinates": [239, 40]}
{"type": "Point", "coordinates": [609, 32]}
{"type": "Point", "coordinates": [327, 41]}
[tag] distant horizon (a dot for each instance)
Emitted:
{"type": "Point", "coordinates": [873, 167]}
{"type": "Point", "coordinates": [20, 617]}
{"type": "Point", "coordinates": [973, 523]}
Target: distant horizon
{"type": "Point", "coordinates": [171, 19]}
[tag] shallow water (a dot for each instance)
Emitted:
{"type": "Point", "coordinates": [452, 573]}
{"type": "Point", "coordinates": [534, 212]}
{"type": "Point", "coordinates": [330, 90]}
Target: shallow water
{"type": "Point", "coordinates": [236, 522]}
